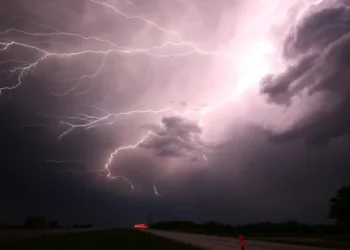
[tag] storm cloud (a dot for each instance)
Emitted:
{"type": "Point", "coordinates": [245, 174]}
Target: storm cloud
{"type": "Point", "coordinates": [175, 137]}
{"type": "Point", "coordinates": [317, 58]}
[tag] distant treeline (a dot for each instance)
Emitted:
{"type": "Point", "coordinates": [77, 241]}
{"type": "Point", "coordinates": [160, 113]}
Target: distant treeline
{"type": "Point", "coordinates": [266, 229]}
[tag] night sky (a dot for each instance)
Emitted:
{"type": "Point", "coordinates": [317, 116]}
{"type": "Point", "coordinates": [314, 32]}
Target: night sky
{"type": "Point", "coordinates": [233, 111]}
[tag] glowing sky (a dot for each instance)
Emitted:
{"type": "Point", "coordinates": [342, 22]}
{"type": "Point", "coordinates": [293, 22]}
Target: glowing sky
{"type": "Point", "coordinates": [164, 99]}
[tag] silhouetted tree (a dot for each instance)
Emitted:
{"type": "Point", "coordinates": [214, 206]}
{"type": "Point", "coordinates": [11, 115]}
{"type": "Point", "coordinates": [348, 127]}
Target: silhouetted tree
{"type": "Point", "coordinates": [340, 206]}
{"type": "Point", "coordinates": [54, 224]}
{"type": "Point", "coordinates": [35, 222]}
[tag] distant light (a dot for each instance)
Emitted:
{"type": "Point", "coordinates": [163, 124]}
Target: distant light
{"type": "Point", "coordinates": [140, 226]}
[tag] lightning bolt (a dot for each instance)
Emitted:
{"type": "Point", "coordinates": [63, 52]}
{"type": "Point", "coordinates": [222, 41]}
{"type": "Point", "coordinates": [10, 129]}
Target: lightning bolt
{"type": "Point", "coordinates": [155, 190]}
{"type": "Point", "coordinates": [89, 122]}
{"type": "Point", "coordinates": [112, 155]}
{"type": "Point", "coordinates": [106, 48]}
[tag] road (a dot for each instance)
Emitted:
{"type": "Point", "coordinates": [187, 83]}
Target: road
{"type": "Point", "coordinates": [225, 243]}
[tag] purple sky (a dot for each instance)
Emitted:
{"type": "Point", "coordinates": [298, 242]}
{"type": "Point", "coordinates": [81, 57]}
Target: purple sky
{"type": "Point", "coordinates": [201, 110]}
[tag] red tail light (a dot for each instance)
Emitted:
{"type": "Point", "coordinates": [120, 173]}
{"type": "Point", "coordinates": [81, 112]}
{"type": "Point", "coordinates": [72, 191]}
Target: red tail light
{"type": "Point", "coordinates": [141, 226]}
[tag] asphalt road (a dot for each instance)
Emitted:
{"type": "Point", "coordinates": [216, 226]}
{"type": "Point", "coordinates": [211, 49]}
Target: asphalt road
{"type": "Point", "coordinates": [225, 243]}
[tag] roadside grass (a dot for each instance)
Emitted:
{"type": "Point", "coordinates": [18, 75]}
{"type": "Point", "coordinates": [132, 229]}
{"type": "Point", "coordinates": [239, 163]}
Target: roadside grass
{"type": "Point", "coordinates": [124, 239]}
{"type": "Point", "coordinates": [334, 241]}
{"type": "Point", "coordinates": [325, 242]}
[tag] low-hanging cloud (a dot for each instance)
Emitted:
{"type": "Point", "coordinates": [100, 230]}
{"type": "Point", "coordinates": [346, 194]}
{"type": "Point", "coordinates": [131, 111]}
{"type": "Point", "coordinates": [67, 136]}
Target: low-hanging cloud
{"type": "Point", "coordinates": [175, 137]}
{"type": "Point", "coordinates": [317, 55]}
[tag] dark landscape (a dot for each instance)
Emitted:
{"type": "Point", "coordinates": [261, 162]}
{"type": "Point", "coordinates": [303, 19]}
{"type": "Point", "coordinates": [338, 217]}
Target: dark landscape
{"type": "Point", "coordinates": [94, 239]}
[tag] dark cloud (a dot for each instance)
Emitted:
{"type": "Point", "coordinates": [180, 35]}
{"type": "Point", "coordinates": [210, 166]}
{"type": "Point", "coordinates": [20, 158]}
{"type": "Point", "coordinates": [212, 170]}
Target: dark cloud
{"type": "Point", "coordinates": [278, 87]}
{"type": "Point", "coordinates": [317, 52]}
{"type": "Point", "coordinates": [324, 24]}
{"type": "Point", "coordinates": [175, 137]}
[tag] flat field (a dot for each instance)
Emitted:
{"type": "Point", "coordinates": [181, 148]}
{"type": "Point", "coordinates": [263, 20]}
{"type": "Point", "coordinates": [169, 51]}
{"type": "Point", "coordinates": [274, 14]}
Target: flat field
{"type": "Point", "coordinates": [127, 239]}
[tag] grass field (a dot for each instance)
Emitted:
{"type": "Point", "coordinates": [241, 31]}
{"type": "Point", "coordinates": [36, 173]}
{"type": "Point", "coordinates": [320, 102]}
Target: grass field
{"type": "Point", "coordinates": [24, 233]}
{"type": "Point", "coordinates": [336, 242]}
{"type": "Point", "coordinates": [127, 239]}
